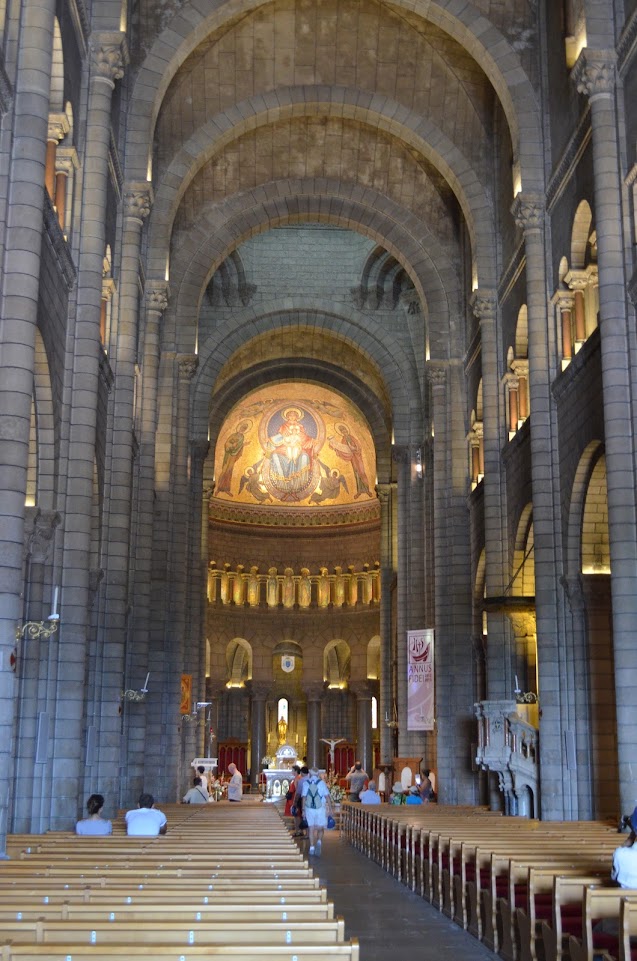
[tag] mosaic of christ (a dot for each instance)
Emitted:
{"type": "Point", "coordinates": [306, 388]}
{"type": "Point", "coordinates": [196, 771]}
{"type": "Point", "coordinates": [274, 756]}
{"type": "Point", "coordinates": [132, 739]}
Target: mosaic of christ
{"type": "Point", "coordinates": [277, 449]}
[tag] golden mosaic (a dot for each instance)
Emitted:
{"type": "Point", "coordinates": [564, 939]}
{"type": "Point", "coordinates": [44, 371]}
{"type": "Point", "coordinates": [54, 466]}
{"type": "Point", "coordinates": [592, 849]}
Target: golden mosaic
{"type": "Point", "coordinates": [298, 446]}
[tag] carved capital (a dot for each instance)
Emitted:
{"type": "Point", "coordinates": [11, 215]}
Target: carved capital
{"type": "Point", "coordinates": [384, 493]}
{"type": "Point", "coordinates": [314, 691]}
{"type": "Point", "coordinates": [40, 535]}
{"type": "Point", "coordinates": [58, 127]}
{"type": "Point", "coordinates": [595, 73]}
{"type": "Point", "coordinates": [401, 454]}
{"type": "Point", "coordinates": [437, 376]}
{"type": "Point", "coordinates": [138, 199]}
{"type": "Point", "coordinates": [410, 301]}
{"type": "Point", "coordinates": [109, 57]}
{"type": "Point", "coordinates": [484, 303]}
{"type": "Point", "coordinates": [563, 299]}
{"type": "Point", "coordinates": [156, 293]}
{"type": "Point", "coordinates": [528, 212]}
{"type": "Point", "coordinates": [66, 160]}
{"type": "Point", "coordinates": [188, 366]}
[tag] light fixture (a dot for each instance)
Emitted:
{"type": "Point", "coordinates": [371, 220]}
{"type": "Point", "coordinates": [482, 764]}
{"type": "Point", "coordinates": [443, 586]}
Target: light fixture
{"type": "Point", "coordinates": [419, 465]}
{"type": "Point", "coordinates": [41, 629]}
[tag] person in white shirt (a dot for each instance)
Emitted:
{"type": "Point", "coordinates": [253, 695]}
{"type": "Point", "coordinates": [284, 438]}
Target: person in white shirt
{"type": "Point", "coordinates": [197, 793]}
{"type": "Point", "coordinates": [145, 820]}
{"type": "Point", "coordinates": [235, 787]}
{"type": "Point", "coordinates": [624, 870]}
{"type": "Point", "coordinates": [371, 795]}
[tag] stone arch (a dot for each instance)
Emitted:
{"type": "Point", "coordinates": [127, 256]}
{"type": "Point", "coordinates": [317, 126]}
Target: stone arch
{"type": "Point", "coordinates": [595, 551]}
{"type": "Point", "coordinates": [373, 658]}
{"type": "Point", "coordinates": [487, 45]}
{"type": "Point", "coordinates": [336, 663]}
{"type": "Point", "coordinates": [522, 334]}
{"type": "Point", "coordinates": [523, 574]}
{"type": "Point", "coordinates": [580, 235]}
{"type": "Point", "coordinates": [226, 225]}
{"type": "Point", "coordinates": [396, 368]}
{"type": "Point", "coordinates": [56, 100]}
{"type": "Point", "coordinates": [238, 662]}
{"type": "Point", "coordinates": [417, 132]}
{"type": "Point", "coordinates": [591, 454]}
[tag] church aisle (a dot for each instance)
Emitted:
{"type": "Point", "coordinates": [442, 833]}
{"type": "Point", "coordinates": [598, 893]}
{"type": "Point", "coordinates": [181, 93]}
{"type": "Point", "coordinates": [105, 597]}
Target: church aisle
{"type": "Point", "coordinates": [389, 920]}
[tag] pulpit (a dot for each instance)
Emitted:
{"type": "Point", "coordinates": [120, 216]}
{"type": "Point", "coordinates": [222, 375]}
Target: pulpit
{"type": "Point", "coordinates": [508, 746]}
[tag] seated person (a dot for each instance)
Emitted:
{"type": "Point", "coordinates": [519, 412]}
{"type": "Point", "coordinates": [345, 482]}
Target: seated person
{"type": "Point", "coordinates": [145, 820]}
{"type": "Point", "coordinates": [371, 795]}
{"type": "Point", "coordinates": [624, 870]}
{"type": "Point", "coordinates": [197, 794]}
{"type": "Point", "coordinates": [94, 824]}
{"type": "Point", "coordinates": [397, 794]}
{"type": "Point", "coordinates": [426, 787]}
{"type": "Point", "coordinates": [413, 795]}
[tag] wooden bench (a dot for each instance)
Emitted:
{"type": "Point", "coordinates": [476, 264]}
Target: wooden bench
{"type": "Point", "coordinates": [218, 952]}
{"type": "Point", "coordinates": [600, 904]}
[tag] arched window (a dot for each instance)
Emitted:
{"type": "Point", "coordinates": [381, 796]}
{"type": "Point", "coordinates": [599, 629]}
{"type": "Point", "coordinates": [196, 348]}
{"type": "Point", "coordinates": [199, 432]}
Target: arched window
{"type": "Point", "coordinates": [374, 713]}
{"type": "Point", "coordinates": [282, 709]}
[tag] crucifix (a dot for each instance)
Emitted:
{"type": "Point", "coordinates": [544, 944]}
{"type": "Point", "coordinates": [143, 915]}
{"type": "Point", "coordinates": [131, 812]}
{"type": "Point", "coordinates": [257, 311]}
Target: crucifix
{"type": "Point", "coordinates": [332, 741]}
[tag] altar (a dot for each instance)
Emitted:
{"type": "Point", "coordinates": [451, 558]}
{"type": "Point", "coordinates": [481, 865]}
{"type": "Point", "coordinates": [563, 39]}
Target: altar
{"type": "Point", "coordinates": [279, 775]}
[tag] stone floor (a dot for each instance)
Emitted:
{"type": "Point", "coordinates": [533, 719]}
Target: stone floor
{"type": "Point", "coordinates": [391, 923]}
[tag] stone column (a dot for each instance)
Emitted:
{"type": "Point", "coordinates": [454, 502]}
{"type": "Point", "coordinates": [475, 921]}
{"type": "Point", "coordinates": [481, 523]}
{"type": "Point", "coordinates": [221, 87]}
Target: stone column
{"type": "Point", "coordinates": [554, 673]}
{"type": "Point", "coordinates": [196, 584]}
{"type": "Point", "coordinates": [120, 663]}
{"type": "Point", "coordinates": [595, 76]}
{"type": "Point", "coordinates": [386, 496]}
{"type": "Point", "coordinates": [582, 767]}
{"type": "Point", "coordinates": [314, 695]}
{"type": "Point", "coordinates": [207, 492]}
{"type": "Point", "coordinates": [140, 660]}
{"type": "Point", "coordinates": [499, 654]}
{"type": "Point", "coordinates": [21, 274]}
{"type": "Point", "coordinates": [402, 458]}
{"type": "Point", "coordinates": [259, 691]}
{"type": "Point", "coordinates": [108, 56]}
{"type": "Point", "coordinates": [364, 746]}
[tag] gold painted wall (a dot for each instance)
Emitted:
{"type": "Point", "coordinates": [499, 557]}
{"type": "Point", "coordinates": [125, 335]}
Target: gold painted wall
{"type": "Point", "coordinates": [295, 445]}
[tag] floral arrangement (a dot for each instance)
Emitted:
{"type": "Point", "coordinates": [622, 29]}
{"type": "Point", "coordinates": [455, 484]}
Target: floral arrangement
{"type": "Point", "coordinates": [336, 791]}
{"type": "Point", "coordinates": [266, 761]}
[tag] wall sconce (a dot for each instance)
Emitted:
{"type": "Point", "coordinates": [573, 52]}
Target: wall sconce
{"type": "Point", "coordinates": [419, 465]}
{"type": "Point", "coordinates": [41, 629]}
{"type": "Point", "coordinates": [136, 697]}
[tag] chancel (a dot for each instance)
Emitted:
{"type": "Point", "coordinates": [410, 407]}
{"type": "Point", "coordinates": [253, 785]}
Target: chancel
{"type": "Point", "coordinates": [318, 404]}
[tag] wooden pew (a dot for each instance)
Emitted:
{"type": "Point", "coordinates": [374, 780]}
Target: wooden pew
{"type": "Point", "coordinates": [218, 952]}
{"type": "Point", "coordinates": [600, 904]}
{"type": "Point", "coordinates": [628, 929]}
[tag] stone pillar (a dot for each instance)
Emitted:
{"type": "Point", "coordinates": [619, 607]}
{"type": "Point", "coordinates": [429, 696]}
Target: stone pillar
{"type": "Point", "coordinates": [595, 76]}
{"type": "Point", "coordinates": [21, 273]}
{"type": "Point", "coordinates": [499, 653]}
{"type": "Point", "coordinates": [386, 496]}
{"type": "Point", "coordinates": [208, 488]}
{"type": "Point", "coordinates": [554, 678]}
{"type": "Point", "coordinates": [364, 746]}
{"type": "Point", "coordinates": [581, 765]}
{"type": "Point", "coordinates": [314, 695]}
{"type": "Point", "coordinates": [120, 664]}
{"type": "Point", "coordinates": [212, 737]}
{"type": "Point", "coordinates": [196, 584]}
{"type": "Point", "coordinates": [259, 691]}
{"type": "Point", "coordinates": [140, 661]}
{"type": "Point", "coordinates": [108, 56]}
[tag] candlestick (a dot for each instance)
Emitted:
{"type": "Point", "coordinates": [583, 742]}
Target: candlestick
{"type": "Point", "coordinates": [145, 687]}
{"type": "Point", "coordinates": [53, 616]}
{"type": "Point", "coordinates": [517, 686]}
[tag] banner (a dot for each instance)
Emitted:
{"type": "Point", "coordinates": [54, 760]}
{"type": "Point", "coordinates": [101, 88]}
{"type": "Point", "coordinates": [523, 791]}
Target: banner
{"type": "Point", "coordinates": [186, 694]}
{"type": "Point", "coordinates": [420, 680]}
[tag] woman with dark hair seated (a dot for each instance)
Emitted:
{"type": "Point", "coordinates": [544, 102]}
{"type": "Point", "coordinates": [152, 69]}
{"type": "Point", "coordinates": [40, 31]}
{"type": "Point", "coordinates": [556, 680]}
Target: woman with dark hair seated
{"type": "Point", "coordinates": [94, 824]}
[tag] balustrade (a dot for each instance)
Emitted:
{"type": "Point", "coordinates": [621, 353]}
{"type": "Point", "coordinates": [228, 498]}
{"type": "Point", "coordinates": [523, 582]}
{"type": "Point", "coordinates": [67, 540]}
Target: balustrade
{"type": "Point", "coordinates": [292, 589]}
{"type": "Point", "coordinates": [508, 746]}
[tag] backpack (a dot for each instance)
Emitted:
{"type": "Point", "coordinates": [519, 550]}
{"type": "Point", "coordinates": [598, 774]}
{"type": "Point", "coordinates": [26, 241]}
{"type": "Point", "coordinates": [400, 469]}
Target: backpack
{"type": "Point", "coordinates": [313, 799]}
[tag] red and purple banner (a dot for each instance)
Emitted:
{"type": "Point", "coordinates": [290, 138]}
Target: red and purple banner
{"type": "Point", "coordinates": [420, 680]}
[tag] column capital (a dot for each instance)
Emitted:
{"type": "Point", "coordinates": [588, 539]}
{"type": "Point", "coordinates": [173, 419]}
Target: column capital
{"type": "Point", "coordinates": [595, 73]}
{"type": "Point", "coordinates": [314, 691]}
{"type": "Point", "coordinates": [188, 364]}
{"type": "Point", "coordinates": [362, 690]}
{"type": "Point", "coordinates": [384, 492]}
{"type": "Point", "coordinates": [66, 160]}
{"type": "Point", "coordinates": [58, 127]}
{"type": "Point", "coordinates": [577, 280]}
{"type": "Point", "coordinates": [39, 534]}
{"type": "Point", "coordinates": [199, 450]}
{"type": "Point", "coordinates": [259, 690]}
{"type": "Point", "coordinates": [528, 212]}
{"type": "Point", "coordinates": [156, 294]}
{"type": "Point", "coordinates": [563, 299]}
{"type": "Point", "coordinates": [138, 199]}
{"type": "Point", "coordinates": [484, 303]}
{"type": "Point", "coordinates": [437, 375]}
{"type": "Point", "coordinates": [109, 56]}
